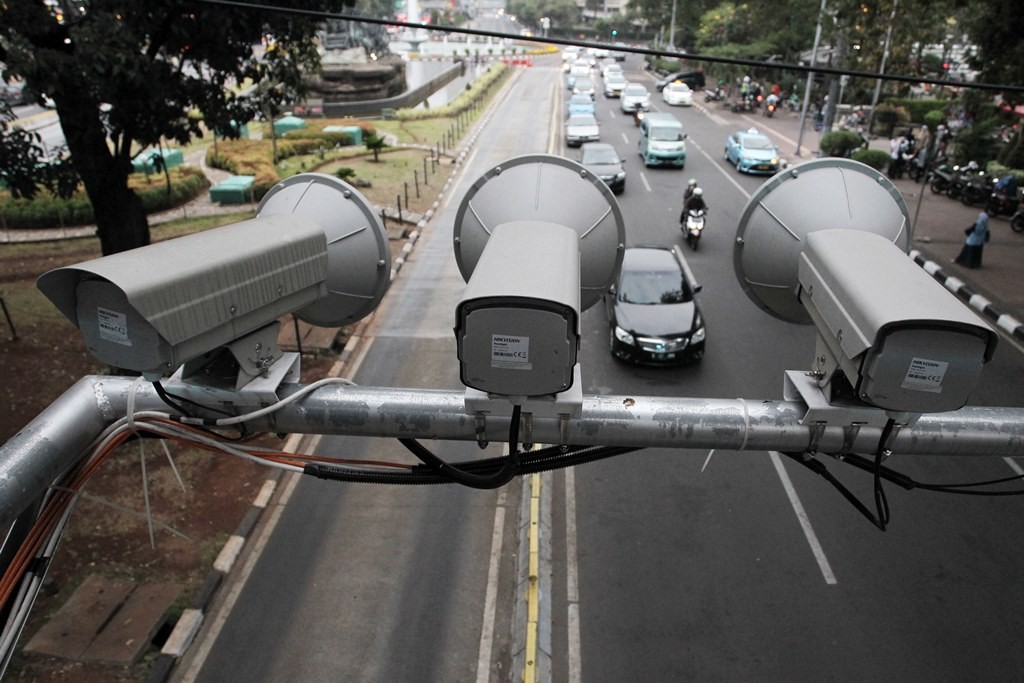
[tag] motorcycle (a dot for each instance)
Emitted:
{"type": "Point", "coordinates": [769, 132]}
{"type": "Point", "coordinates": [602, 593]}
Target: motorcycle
{"type": "Point", "coordinates": [769, 109]}
{"type": "Point", "coordinates": [1000, 203]}
{"type": "Point", "coordinates": [941, 177]}
{"type": "Point", "coordinates": [716, 95]}
{"type": "Point", "coordinates": [743, 104]}
{"type": "Point", "coordinates": [977, 189]}
{"type": "Point", "coordinates": [638, 116]}
{"type": "Point", "coordinates": [693, 227]}
{"type": "Point", "coordinates": [1017, 221]}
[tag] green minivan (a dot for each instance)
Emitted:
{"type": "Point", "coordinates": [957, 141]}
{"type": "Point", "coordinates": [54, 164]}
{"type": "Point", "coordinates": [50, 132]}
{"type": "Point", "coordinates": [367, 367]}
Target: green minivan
{"type": "Point", "coordinates": [662, 140]}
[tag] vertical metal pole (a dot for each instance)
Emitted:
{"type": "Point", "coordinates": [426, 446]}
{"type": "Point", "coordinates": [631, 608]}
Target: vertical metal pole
{"type": "Point", "coordinates": [810, 78]}
{"type": "Point", "coordinates": [672, 28]}
{"type": "Point", "coordinates": [398, 200]}
{"type": "Point", "coordinates": [426, 177]}
{"type": "Point", "coordinates": [881, 67]}
{"type": "Point", "coordinates": [416, 182]}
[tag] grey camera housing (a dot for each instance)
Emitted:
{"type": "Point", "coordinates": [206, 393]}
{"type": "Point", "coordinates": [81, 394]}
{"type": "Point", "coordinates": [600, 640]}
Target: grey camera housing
{"type": "Point", "coordinates": [517, 325]}
{"type": "Point", "coordinates": [903, 342]}
{"type": "Point", "coordinates": [315, 249]}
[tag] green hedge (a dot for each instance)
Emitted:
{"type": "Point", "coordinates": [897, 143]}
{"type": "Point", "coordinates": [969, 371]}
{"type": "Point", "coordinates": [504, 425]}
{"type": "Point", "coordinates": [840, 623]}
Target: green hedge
{"type": "Point", "coordinates": [840, 143]}
{"type": "Point", "coordinates": [917, 109]}
{"type": "Point", "coordinates": [875, 158]}
{"type": "Point", "coordinates": [494, 74]}
{"type": "Point", "coordinates": [47, 211]}
{"type": "Point", "coordinates": [998, 170]}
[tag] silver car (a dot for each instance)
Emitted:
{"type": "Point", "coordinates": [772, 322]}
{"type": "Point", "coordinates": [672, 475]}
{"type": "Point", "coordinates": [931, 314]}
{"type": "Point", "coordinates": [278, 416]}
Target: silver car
{"type": "Point", "coordinates": [635, 97]}
{"type": "Point", "coordinates": [580, 128]}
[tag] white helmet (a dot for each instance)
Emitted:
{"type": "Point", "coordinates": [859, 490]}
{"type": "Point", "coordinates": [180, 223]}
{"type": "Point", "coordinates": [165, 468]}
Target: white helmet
{"type": "Point", "coordinates": [692, 182]}
{"type": "Point", "coordinates": [697, 192]}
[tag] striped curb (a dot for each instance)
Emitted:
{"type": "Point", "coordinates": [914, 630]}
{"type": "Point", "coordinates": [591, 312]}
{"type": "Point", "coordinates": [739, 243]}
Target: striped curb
{"type": "Point", "coordinates": [1007, 323]}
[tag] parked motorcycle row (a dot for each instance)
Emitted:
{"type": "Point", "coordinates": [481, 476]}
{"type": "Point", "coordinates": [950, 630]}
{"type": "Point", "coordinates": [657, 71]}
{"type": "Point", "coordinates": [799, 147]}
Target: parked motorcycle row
{"type": "Point", "coordinates": [974, 187]}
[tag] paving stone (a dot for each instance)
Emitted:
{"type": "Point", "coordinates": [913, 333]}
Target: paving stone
{"type": "Point", "coordinates": [70, 631]}
{"type": "Point", "coordinates": [129, 632]}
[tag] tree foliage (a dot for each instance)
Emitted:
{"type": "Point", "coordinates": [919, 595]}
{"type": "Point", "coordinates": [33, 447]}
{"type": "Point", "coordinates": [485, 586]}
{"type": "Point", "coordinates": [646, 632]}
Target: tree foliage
{"type": "Point", "coordinates": [125, 75]}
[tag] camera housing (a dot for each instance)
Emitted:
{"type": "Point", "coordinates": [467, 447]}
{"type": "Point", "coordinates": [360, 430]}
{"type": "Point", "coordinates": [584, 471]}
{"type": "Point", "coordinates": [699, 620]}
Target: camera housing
{"type": "Point", "coordinates": [315, 249]}
{"type": "Point", "coordinates": [538, 239]}
{"type": "Point", "coordinates": [897, 335]}
{"type": "Point", "coordinates": [519, 335]}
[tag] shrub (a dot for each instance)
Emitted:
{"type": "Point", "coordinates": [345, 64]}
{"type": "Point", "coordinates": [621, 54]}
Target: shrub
{"type": "Point", "coordinates": [998, 170]}
{"type": "Point", "coordinates": [934, 119]}
{"type": "Point", "coordinates": [875, 158]}
{"type": "Point", "coordinates": [840, 143]}
{"type": "Point", "coordinates": [917, 109]}
{"type": "Point", "coordinates": [887, 117]}
{"type": "Point", "coordinates": [345, 173]}
{"type": "Point", "coordinates": [47, 211]}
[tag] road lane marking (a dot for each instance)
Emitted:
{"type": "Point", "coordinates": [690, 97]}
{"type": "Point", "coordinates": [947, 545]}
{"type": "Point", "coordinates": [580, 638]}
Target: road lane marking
{"type": "Point", "coordinates": [721, 170]}
{"type": "Point", "coordinates": [483, 663]}
{"type": "Point", "coordinates": [805, 522]}
{"type": "Point", "coordinates": [1014, 466]}
{"type": "Point", "coordinates": [625, 139]}
{"type": "Point", "coordinates": [643, 179]}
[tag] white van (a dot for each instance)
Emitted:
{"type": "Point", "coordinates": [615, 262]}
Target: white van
{"type": "Point", "coordinates": [662, 140]}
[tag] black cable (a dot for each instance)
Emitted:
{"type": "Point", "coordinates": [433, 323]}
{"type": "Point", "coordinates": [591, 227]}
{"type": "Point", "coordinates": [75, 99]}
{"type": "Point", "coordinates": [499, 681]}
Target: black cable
{"type": "Point", "coordinates": [543, 460]}
{"type": "Point", "coordinates": [168, 399]}
{"type": "Point", "coordinates": [881, 502]}
{"type": "Point", "coordinates": [496, 480]}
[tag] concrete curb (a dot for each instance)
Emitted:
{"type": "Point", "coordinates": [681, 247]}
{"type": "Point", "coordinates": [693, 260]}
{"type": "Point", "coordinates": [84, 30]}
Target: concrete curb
{"type": "Point", "coordinates": [1007, 323]}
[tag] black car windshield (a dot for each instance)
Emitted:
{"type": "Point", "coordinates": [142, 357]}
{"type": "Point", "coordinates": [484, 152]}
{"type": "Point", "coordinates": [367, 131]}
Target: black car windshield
{"type": "Point", "coordinates": [666, 134]}
{"type": "Point", "coordinates": [600, 155]}
{"type": "Point", "coordinates": [656, 287]}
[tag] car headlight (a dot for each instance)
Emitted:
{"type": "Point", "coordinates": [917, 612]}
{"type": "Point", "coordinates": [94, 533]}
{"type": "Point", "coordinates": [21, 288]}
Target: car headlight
{"type": "Point", "coordinates": [775, 161]}
{"type": "Point", "coordinates": [698, 330]}
{"type": "Point", "coordinates": [621, 175]}
{"type": "Point", "coordinates": [624, 336]}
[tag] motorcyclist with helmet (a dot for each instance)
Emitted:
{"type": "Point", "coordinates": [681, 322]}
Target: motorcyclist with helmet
{"type": "Point", "coordinates": [691, 185]}
{"type": "Point", "coordinates": [694, 201]}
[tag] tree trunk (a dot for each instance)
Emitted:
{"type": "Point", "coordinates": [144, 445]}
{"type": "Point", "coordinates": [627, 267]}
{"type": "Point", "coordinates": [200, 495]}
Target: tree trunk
{"type": "Point", "coordinates": [120, 218]}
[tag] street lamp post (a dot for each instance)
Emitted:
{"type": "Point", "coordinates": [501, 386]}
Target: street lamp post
{"type": "Point", "coordinates": [810, 77]}
{"type": "Point", "coordinates": [881, 67]}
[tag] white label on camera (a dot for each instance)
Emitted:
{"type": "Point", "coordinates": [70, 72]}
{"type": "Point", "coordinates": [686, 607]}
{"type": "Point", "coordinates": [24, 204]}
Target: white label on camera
{"type": "Point", "coordinates": [925, 375]}
{"type": "Point", "coordinates": [510, 352]}
{"type": "Point", "coordinates": [113, 326]}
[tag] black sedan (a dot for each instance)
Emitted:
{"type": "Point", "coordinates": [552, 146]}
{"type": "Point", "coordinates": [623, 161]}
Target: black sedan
{"type": "Point", "coordinates": [602, 160]}
{"type": "Point", "coordinates": [652, 309]}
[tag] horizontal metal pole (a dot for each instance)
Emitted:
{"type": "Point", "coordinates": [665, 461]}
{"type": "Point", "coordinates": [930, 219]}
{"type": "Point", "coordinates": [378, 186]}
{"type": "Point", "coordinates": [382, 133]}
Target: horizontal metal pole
{"type": "Point", "coordinates": [55, 440]}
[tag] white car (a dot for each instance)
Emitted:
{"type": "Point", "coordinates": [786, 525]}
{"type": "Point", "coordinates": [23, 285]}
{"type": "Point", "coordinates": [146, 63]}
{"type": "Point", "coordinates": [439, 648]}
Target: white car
{"type": "Point", "coordinates": [580, 128]}
{"type": "Point", "coordinates": [613, 84]}
{"type": "Point", "coordinates": [635, 96]}
{"type": "Point", "coordinates": [677, 95]}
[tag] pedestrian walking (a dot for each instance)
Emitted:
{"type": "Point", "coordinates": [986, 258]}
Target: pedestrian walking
{"type": "Point", "coordinates": [977, 235]}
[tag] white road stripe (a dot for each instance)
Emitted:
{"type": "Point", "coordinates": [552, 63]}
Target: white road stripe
{"type": "Point", "coordinates": [643, 179]}
{"type": "Point", "coordinates": [805, 522]}
{"type": "Point", "coordinates": [1014, 466]}
{"type": "Point", "coordinates": [625, 139]}
{"type": "Point", "coordinates": [483, 663]}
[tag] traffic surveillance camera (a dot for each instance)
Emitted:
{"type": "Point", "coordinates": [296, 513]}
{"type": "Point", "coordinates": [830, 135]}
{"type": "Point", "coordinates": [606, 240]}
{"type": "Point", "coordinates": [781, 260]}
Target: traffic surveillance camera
{"type": "Point", "coordinates": [518, 324]}
{"type": "Point", "coordinates": [538, 239]}
{"type": "Point", "coordinates": [904, 343]}
{"type": "Point", "coordinates": [315, 249]}
{"type": "Point", "coordinates": [825, 243]}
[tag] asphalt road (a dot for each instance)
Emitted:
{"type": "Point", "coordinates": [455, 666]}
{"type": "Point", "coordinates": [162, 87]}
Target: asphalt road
{"type": "Point", "coordinates": [667, 564]}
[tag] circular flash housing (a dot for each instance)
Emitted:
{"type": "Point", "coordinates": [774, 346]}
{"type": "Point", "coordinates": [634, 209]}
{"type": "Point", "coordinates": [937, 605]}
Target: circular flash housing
{"type": "Point", "coordinates": [551, 189]}
{"type": "Point", "coordinates": [358, 254]}
{"type": "Point", "coordinates": [820, 194]}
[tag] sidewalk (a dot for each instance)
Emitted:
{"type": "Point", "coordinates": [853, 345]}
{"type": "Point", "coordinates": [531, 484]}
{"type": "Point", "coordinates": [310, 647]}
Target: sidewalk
{"type": "Point", "coordinates": [937, 233]}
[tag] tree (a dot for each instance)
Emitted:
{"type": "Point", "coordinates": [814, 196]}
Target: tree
{"type": "Point", "coordinates": [995, 27]}
{"type": "Point", "coordinates": [125, 75]}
